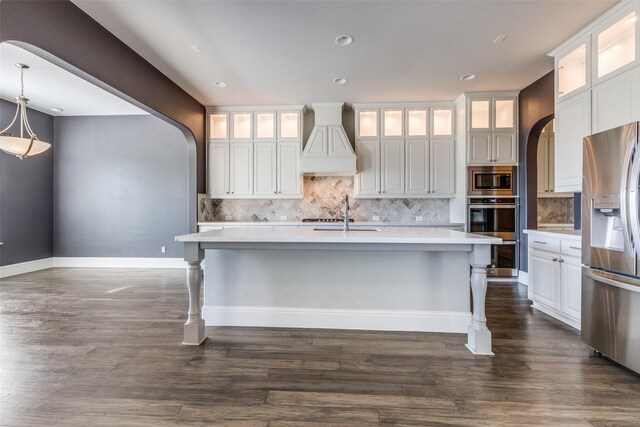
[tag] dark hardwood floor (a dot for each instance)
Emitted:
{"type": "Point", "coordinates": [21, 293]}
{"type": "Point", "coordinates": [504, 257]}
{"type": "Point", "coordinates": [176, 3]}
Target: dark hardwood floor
{"type": "Point", "coordinates": [101, 347]}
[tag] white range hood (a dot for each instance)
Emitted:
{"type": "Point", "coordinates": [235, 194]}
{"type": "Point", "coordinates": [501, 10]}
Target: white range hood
{"type": "Point", "coordinates": [328, 151]}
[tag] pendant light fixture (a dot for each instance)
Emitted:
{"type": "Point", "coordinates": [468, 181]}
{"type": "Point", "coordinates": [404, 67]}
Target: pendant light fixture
{"type": "Point", "coordinates": [22, 146]}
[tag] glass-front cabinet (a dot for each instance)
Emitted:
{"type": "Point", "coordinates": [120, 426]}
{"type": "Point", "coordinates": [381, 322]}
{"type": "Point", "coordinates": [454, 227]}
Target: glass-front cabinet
{"type": "Point", "coordinates": [265, 125]}
{"type": "Point", "coordinates": [442, 122]}
{"type": "Point", "coordinates": [290, 125]}
{"type": "Point", "coordinates": [487, 114]}
{"type": "Point", "coordinates": [417, 122]}
{"type": "Point", "coordinates": [219, 126]}
{"type": "Point", "coordinates": [573, 72]}
{"type": "Point", "coordinates": [241, 128]}
{"type": "Point", "coordinates": [615, 47]}
{"type": "Point", "coordinates": [367, 126]}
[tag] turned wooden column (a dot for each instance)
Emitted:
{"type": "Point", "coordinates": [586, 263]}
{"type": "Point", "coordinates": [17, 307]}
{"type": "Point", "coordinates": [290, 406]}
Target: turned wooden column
{"type": "Point", "coordinates": [194, 327]}
{"type": "Point", "coordinates": [479, 336]}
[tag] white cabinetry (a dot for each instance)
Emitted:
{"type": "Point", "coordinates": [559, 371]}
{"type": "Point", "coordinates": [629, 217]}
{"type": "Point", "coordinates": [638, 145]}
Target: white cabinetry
{"type": "Point", "coordinates": [573, 123]}
{"type": "Point", "coordinates": [555, 275]}
{"type": "Point", "coordinates": [409, 155]}
{"type": "Point", "coordinates": [546, 163]}
{"type": "Point", "coordinates": [596, 87]}
{"type": "Point", "coordinates": [492, 128]}
{"type": "Point", "coordinates": [254, 152]}
{"type": "Point", "coordinates": [616, 102]}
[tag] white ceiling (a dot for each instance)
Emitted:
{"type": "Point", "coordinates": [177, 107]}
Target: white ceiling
{"type": "Point", "coordinates": [47, 86]}
{"type": "Point", "coordinates": [283, 52]}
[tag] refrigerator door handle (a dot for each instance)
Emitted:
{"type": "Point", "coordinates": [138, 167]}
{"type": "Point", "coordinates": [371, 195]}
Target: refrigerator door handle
{"type": "Point", "coordinates": [632, 192]}
{"type": "Point", "coordinates": [628, 284]}
{"type": "Point", "coordinates": [624, 196]}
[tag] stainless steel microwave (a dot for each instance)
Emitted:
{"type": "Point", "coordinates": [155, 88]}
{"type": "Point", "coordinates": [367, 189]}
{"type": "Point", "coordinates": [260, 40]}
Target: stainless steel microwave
{"type": "Point", "coordinates": [492, 181]}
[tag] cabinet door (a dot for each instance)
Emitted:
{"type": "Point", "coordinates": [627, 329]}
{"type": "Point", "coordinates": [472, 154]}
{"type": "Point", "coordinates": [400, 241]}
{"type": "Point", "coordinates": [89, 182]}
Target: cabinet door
{"type": "Point", "coordinates": [544, 275]}
{"type": "Point", "coordinates": [242, 126]}
{"type": "Point", "coordinates": [442, 166]}
{"type": "Point", "coordinates": [289, 125]}
{"type": "Point", "coordinates": [479, 149]}
{"type": "Point", "coordinates": [543, 164]}
{"type": "Point", "coordinates": [571, 287]}
{"type": "Point", "coordinates": [505, 114]}
{"type": "Point", "coordinates": [442, 122]}
{"type": "Point", "coordinates": [573, 122]}
{"type": "Point", "coordinates": [615, 46]}
{"type": "Point", "coordinates": [479, 114]}
{"type": "Point", "coordinates": [241, 168]}
{"type": "Point", "coordinates": [368, 177]}
{"type": "Point", "coordinates": [367, 125]}
{"type": "Point", "coordinates": [617, 101]}
{"type": "Point", "coordinates": [264, 126]}
{"type": "Point", "coordinates": [392, 170]}
{"type": "Point", "coordinates": [417, 164]}
{"type": "Point", "coordinates": [504, 149]}
{"type": "Point", "coordinates": [218, 169]}
{"type": "Point", "coordinates": [218, 126]}
{"type": "Point", "coordinates": [264, 169]}
{"type": "Point", "coordinates": [572, 73]}
{"type": "Point", "coordinates": [551, 161]}
{"type": "Point", "coordinates": [289, 179]}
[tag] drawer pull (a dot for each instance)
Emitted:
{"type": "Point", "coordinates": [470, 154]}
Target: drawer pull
{"type": "Point", "coordinates": [542, 243]}
{"type": "Point", "coordinates": [554, 259]}
{"type": "Point", "coordinates": [573, 247]}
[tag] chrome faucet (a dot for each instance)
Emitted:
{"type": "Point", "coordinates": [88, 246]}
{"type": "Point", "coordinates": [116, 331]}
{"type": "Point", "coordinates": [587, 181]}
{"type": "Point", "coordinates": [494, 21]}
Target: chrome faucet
{"type": "Point", "coordinates": [346, 213]}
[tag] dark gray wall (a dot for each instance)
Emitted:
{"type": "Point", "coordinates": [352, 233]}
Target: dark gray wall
{"type": "Point", "coordinates": [26, 195]}
{"type": "Point", "coordinates": [121, 187]}
{"type": "Point", "coordinates": [536, 109]}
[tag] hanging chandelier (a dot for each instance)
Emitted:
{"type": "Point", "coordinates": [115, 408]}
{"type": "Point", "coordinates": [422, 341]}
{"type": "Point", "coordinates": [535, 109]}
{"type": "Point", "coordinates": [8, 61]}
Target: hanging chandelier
{"type": "Point", "coordinates": [22, 146]}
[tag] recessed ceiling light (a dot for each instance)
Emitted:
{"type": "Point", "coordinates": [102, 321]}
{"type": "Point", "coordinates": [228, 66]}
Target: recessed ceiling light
{"type": "Point", "coordinates": [196, 48]}
{"type": "Point", "coordinates": [467, 77]}
{"type": "Point", "coordinates": [500, 38]}
{"type": "Point", "coordinates": [219, 83]}
{"type": "Point", "coordinates": [56, 109]}
{"type": "Point", "coordinates": [339, 80]}
{"type": "Point", "coordinates": [344, 40]}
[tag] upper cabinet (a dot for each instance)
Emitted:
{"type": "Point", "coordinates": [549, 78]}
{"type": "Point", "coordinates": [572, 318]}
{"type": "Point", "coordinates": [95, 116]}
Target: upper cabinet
{"type": "Point", "coordinates": [254, 152]}
{"type": "Point", "coordinates": [405, 150]}
{"type": "Point", "coordinates": [492, 126]}
{"type": "Point", "coordinates": [597, 86]}
{"type": "Point", "coordinates": [490, 114]}
{"type": "Point", "coordinates": [573, 73]}
{"type": "Point", "coordinates": [615, 45]}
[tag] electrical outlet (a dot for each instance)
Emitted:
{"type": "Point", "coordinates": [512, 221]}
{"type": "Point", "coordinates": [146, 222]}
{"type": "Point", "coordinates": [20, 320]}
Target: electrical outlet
{"type": "Point", "coordinates": [420, 218]}
{"type": "Point", "coordinates": [228, 218]}
{"type": "Point", "coordinates": [284, 218]}
{"type": "Point", "coordinates": [375, 218]}
{"type": "Point", "coordinates": [163, 249]}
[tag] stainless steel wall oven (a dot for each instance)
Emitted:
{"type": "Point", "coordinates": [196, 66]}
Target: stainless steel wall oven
{"type": "Point", "coordinates": [497, 217]}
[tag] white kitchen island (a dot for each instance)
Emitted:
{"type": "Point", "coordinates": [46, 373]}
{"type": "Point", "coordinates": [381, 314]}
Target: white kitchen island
{"type": "Point", "coordinates": [384, 279]}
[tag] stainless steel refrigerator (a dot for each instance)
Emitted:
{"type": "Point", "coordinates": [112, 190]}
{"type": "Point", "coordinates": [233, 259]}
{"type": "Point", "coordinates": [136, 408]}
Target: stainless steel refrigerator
{"type": "Point", "coordinates": [610, 318]}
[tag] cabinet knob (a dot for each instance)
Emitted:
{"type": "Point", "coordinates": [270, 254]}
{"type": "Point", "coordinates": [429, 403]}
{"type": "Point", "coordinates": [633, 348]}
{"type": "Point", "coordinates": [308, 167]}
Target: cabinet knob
{"type": "Point", "coordinates": [560, 260]}
{"type": "Point", "coordinates": [275, 192]}
{"type": "Point", "coordinates": [554, 259]}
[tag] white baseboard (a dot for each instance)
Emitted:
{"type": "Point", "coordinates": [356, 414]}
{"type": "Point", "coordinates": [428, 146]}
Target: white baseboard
{"type": "Point", "coordinates": [86, 262]}
{"type": "Point", "coordinates": [380, 320]}
{"type": "Point", "coordinates": [523, 277]}
{"type": "Point", "coordinates": [109, 262]}
{"type": "Point", "coordinates": [25, 267]}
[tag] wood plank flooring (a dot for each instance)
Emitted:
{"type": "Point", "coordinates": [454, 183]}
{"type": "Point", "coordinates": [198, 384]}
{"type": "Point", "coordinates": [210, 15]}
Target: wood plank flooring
{"type": "Point", "coordinates": [101, 347]}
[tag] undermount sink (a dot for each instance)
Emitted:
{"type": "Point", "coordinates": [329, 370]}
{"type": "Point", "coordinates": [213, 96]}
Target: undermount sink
{"type": "Point", "coordinates": [349, 230]}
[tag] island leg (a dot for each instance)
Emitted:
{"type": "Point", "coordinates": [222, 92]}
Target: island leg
{"type": "Point", "coordinates": [479, 336]}
{"type": "Point", "coordinates": [194, 327]}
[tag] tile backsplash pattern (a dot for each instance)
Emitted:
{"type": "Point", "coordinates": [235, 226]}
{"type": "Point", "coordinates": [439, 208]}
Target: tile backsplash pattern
{"type": "Point", "coordinates": [323, 198]}
{"type": "Point", "coordinates": [555, 210]}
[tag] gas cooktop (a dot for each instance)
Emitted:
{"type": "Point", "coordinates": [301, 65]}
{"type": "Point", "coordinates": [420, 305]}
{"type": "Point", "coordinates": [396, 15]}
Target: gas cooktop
{"type": "Point", "coordinates": [324, 220]}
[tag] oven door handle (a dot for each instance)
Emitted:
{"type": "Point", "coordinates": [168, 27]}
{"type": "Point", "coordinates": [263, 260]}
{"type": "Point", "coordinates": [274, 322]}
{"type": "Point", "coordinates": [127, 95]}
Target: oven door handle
{"type": "Point", "coordinates": [506, 243]}
{"type": "Point", "coordinates": [484, 206]}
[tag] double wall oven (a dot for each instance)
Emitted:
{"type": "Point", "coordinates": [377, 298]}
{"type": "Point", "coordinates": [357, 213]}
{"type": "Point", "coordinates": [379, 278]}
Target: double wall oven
{"type": "Point", "coordinates": [492, 210]}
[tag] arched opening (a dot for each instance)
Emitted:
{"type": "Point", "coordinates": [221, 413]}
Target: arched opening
{"type": "Point", "coordinates": [120, 180]}
{"type": "Point", "coordinates": [532, 170]}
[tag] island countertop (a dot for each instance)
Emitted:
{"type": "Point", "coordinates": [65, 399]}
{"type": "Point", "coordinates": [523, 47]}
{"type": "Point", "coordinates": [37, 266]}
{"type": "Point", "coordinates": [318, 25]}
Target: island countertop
{"type": "Point", "coordinates": [382, 235]}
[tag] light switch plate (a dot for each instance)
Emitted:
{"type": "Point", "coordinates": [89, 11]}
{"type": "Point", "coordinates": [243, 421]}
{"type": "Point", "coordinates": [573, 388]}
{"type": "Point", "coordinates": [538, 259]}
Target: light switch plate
{"type": "Point", "coordinates": [420, 218]}
{"type": "Point", "coordinates": [375, 218]}
{"type": "Point", "coordinates": [284, 218]}
{"type": "Point", "coordinates": [228, 217]}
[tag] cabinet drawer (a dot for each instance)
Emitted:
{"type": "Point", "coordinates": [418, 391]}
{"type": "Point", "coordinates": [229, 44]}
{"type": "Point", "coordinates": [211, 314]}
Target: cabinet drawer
{"type": "Point", "coordinates": [544, 243]}
{"type": "Point", "coordinates": [571, 248]}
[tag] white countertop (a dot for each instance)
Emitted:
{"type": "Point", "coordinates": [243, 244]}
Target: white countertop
{"type": "Point", "coordinates": [315, 224]}
{"type": "Point", "coordinates": [554, 232]}
{"type": "Point", "coordinates": [395, 235]}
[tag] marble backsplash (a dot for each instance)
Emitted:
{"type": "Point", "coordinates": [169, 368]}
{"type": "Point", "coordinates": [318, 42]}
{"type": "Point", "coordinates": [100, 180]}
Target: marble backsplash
{"type": "Point", "coordinates": [555, 210]}
{"type": "Point", "coordinates": [323, 198]}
